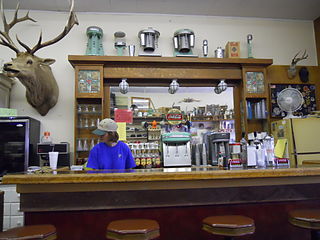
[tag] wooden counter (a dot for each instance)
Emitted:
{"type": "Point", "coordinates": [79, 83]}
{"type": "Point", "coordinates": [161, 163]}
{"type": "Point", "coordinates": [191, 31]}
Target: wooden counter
{"type": "Point", "coordinates": [152, 175]}
{"type": "Point", "coordinates": [185, 195]}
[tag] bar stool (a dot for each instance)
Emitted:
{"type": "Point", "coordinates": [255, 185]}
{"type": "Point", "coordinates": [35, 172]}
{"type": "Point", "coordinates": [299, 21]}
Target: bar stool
{"type": "Point", "coordinates": [32, 232]}
{"type": "Point", "coordinates": [135, 229]}
{"type": "Point", "coordinates": [307, 219]}
{"type": "Point", "coordinates": [228, 226]}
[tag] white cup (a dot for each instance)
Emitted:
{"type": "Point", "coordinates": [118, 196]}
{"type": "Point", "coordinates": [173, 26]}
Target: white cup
{"type": "Point", "coordinates": [53, 159]}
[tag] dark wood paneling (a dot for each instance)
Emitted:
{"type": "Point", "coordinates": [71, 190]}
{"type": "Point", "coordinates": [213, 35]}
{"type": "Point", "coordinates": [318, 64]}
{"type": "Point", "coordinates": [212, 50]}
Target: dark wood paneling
{"type": "Point", "coordinates": [316, 24]}
{"type": "Point", "coordinates": [182, 223]}
{"type": "Point", "coordinates": [59, 201]}
{"type": "Point", "coordinates": [137, 72]}
{"type": "Point", "coordinates": [1, 210]}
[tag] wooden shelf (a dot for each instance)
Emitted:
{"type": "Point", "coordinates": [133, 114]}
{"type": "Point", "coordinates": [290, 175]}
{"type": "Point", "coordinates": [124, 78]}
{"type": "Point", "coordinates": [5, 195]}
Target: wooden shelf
{"type": "Point", "coordinates": [159, 71]}
{"type": "Point", "coordinates": [126, 60]}
{"type": "Point", "coordinates": [212, 120]}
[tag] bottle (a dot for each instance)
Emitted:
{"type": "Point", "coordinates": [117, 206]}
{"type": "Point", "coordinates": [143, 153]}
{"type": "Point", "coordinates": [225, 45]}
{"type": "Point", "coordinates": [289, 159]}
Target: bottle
{"type": "Point", "coordinates": [244, 151]}
{"type": "Point", "coordinates": [46, 138]}
{"type": "Point", "coordinates": [220, 160]}
{"type": "Point", "coordinates": [269, 146]}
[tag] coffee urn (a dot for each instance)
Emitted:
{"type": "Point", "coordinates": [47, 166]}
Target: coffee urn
{"type": "Point", "coordinates": [218, 144]}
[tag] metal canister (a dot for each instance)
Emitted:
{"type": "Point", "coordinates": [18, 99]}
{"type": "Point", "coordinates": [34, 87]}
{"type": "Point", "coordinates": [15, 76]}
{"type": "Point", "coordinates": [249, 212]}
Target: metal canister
{"type": "Point", "coordinates": [219, 53]}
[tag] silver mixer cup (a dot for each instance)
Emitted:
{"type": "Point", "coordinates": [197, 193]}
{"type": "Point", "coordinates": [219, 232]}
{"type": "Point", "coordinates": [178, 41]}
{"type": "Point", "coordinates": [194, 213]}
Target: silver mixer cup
{"type": "Point", "coordinates": [218, 143]}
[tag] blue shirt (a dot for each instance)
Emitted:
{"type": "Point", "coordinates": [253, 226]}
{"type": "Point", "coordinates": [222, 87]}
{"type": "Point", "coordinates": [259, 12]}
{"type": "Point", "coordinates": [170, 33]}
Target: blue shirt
{"type": "Point", "coordinates": [102, 156]}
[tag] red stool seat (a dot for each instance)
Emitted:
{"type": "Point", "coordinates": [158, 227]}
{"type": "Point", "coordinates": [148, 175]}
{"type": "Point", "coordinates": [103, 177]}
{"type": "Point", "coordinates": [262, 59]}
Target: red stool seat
{"type": "Point", "coordinates": [308, 219]}
{"type": "Point", "coordinates": [135, 229]}
{"type": "Point", "coordinates": [228, 225]}
{"type": "Point", "coordinates": [305, 218]}
{"type": "Point", "coordinates": [32, 232]}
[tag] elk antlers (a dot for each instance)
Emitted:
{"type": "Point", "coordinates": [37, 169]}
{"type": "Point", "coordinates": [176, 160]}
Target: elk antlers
{"type": "Point", "coordinates": [7, 41]}
{"type": "Point", "coordinates": [5, 38]}
{"type": "Point", "coordinates": [292, 71]}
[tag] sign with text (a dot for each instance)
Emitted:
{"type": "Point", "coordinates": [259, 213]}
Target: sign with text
{"type": "Point", "coordinates": [123, 115]}
{"type": "Point", "coordinates": [174, 116]}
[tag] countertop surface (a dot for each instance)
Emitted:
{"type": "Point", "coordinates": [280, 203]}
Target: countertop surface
{"type": "Point", "coordinates": [157, 175]}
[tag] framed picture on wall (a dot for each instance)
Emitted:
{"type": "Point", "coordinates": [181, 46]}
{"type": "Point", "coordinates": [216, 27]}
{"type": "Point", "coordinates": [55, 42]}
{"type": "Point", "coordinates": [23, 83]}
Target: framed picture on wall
{"type": "Point", "coordinates": [308, 93]}
{"type": "Point", "coordinates": [89, 81]}
{"type": "Point", "coordinates": [254, 82]}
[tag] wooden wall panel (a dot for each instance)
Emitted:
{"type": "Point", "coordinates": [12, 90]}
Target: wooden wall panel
{"type": "Point", "coordinates": [271, 220]}
{"type": "Point", "coordinates": [1, 209]}
{"type": "Point", "coordinates": [277, 74]}
{"type": "Point", "coordinates": [316, 25]}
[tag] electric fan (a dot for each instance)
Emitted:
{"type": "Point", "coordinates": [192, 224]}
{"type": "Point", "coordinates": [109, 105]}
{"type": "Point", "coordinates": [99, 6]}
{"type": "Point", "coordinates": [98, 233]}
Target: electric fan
{"type": "Point", "coordinates": [290, 100]}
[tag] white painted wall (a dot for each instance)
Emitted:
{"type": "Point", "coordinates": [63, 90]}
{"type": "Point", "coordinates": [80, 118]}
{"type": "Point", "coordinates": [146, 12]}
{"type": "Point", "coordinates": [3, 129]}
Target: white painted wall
{"type": "Point", "coordinates": [276, 39]}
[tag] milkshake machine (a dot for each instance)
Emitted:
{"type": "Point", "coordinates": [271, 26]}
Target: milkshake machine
{"type": "Point", "coordinates": [94, 45]}
{"type": "Point", "coordinates": [176, 150]}
{"type": "Point", "coordinates": [218, 144]}
{"type": "Point", "coordinates": [183, 42]}
{"type": "Point", "coordinates": [149, 42]}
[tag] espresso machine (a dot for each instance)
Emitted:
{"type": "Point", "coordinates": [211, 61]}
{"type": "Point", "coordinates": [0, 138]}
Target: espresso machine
{"type": "Point", "coordinates": [149, 42]}
{"type": "Point", "coordinates": [176, 150]}
{"type": "Point", "coordinates": [217, 144]}
{"type": "Point", "coordinates": [183, 42]}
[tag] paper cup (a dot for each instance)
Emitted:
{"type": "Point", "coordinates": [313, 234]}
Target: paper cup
{"type": "Point", "coordinates": [53, 159]}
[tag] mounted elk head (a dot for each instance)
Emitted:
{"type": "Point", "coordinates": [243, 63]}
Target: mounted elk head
{"type": "Point", "coordinates": [292, 70]}
{"type": "Point", "coordinates": [33, 72]}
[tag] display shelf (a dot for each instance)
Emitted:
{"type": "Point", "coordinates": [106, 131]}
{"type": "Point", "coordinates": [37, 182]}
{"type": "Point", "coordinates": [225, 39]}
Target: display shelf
{"type": "Point", "coordinates": [191, 72]}
{"type": "Point", "coordinates": [128, 138]}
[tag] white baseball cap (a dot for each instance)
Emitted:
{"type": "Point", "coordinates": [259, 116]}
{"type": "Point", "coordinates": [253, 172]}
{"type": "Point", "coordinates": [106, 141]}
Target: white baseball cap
{"type": "Point", "coordinates": [106, 125]}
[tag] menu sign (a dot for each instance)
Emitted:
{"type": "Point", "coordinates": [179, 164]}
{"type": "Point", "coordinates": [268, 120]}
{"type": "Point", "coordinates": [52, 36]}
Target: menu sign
{"type": "Point", "coordinates": [123, 115]}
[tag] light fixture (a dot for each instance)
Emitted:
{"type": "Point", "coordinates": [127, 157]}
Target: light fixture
{"type": "Point", "coordinates": [217, 90]}
{"type": "Point", "coordinates": [173, 87]}
{"type": "Point", "coordinates": [124, 86]}
{"type": "Point", "coordinates": [222, 86]}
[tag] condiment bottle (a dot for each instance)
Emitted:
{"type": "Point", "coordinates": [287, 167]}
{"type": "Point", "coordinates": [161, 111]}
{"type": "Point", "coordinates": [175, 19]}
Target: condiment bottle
{"type": "Point", "coordinates": [244, 151]}
{"type": "Point", "coordinates": [46, 138]}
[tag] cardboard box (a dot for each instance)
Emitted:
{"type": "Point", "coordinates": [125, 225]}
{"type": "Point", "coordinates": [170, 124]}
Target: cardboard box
{"type": "Point", "coordinates": [232, 50]}
{"type": "Point", "coordinates": [163, 110]}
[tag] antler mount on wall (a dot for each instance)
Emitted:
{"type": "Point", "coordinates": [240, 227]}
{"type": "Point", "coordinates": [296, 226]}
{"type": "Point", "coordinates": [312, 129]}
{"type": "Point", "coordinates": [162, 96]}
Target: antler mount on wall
{"type": "Point", "coordinates": [292, 70]}
{"type": "Point", "coordinates": [33, 72]}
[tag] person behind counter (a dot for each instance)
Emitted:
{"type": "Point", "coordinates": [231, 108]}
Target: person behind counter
{"type": "Point", "coordinates": [110, 153]}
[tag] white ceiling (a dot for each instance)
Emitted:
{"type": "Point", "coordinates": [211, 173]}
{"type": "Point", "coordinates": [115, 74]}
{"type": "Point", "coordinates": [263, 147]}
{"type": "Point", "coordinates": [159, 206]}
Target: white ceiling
{"type": "Point", "coordinates": [278, 9]}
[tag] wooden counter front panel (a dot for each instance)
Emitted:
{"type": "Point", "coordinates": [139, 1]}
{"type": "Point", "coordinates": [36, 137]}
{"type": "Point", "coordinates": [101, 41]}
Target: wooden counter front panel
{"type": "Point", "coordinates": [181, 223]}
{"type": "Point", "coordinates": [72, 201]}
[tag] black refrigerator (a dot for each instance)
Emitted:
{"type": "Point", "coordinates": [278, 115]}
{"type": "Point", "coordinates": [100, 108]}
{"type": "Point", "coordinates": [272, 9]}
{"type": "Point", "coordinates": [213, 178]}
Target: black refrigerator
{"type": "Point", "coordinates": [18, 144]}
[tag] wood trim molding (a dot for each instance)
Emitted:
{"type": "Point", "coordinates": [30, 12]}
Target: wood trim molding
{"type": "Point", "coordinates": [316, 24]}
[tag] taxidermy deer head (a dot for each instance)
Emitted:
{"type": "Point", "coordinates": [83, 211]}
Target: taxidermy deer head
{"type": "Point", "coordinates": [292, 70]}
{"type": "Point", "coordinates": [33, 72]}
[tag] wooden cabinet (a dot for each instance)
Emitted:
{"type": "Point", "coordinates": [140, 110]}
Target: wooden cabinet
{"type": "Point", "coordinates": [255, 99]}
{"type": "Point", "coordinates": [247, 77]}
{"type": "Point", "coordinates": [88, 108]}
